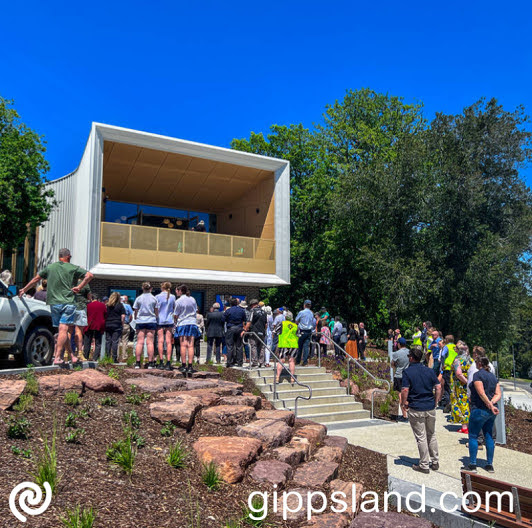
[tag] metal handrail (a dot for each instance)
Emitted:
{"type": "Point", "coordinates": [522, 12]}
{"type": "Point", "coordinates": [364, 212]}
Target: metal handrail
{"type": "Point", "coordinates": [276, 359]}
{"type": "Point", "coordinates": [358, 364]}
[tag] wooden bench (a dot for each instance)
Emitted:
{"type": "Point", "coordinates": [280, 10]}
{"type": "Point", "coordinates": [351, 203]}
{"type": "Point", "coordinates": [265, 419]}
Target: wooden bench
{"type": "Point", "coordinates": [518, 516]}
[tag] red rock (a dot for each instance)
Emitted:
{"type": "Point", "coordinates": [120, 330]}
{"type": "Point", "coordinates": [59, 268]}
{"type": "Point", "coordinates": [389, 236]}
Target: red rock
{"type": "Point", "coordinates": [301, 422]}
{"type": "Point", "coordinates": [329, 454]}
{"type": "Point", "coordinates": [315, 474]}
{"type": "Point", "coordinates": [180, 410]}
{"type": "Point", "coordinates": [328, 520]}
{"type": "Point", "coordinates": [354, 390]}
{"type": "Point", "coordinates": [10, 390]}
{"type": "Point", "coordinates": [60, 383]}
{"type": "Point", "coordinates": [272, 433]}
{"type": "Point", "coordinates": [230, 454]}
{"type": "Point", "coordinates": [379, 395]}
{"type": "Point", "coordinates": [347, 489]}
{"type": "Point", "coordinates": [249, 400]}
{"type": "Point", "coordinates": [207, 396]}
{"type": "Point", "coordinates": [286, 416]}
{"type": "Point", "coordinates": [289, 500]}
{"type": "Point", "coordinates": [150, 383]}
{"type": "Point", "coordinates": [228, 414]}
{"type": "Point", "coordinates": [191, 384]}
{"type": "Point", "coordinates": [336, 441]}
{"type": "Point", "coordinates": [388, 520]}
{"type": "Point", "coordinates": [79, 381]}
{"type": "Point", "coordinates": [315, 434]}
{"type": "Point", "coordinates": [272, 471]}
{"type": "Point", "coordinates": [293, 453]}
{"type": "Point", "coordinates": [236, 388]}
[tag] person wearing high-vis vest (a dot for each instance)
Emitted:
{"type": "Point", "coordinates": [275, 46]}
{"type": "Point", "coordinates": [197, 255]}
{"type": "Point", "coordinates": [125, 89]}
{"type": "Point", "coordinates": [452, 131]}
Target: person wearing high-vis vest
{"type": "Point", "coordinates": [447, 358]}
{"type": "Point", "coordinates": [287, 347]}
{"type": "Point", "coordinates": [416, 338]}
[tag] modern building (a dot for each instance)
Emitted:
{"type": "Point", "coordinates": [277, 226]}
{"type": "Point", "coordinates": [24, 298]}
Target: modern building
{"type": "Point", "coordinates": [130, 212]}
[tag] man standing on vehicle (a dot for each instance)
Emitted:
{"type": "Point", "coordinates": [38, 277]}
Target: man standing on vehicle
{"type": "Point", "coordinates": [63, 278]}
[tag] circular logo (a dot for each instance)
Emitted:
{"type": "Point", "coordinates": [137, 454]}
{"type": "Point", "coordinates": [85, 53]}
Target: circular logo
{"type": "Point", "coordinates": [30, 497]}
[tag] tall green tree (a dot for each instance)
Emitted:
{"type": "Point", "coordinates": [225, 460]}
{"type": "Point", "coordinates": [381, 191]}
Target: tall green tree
{"type": "Point", "coordinates": [25, 203]}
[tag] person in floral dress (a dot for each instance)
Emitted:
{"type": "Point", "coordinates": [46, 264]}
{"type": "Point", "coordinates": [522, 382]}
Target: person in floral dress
{"type": "Point", "coordinates": [459, 401]}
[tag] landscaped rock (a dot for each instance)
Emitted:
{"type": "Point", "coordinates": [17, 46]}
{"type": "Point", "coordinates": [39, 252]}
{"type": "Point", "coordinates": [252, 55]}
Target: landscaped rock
{"type": "Point", "coordinates": [228, 414]}
{"type": "Point", "coordinates": [10, 390]}
{"type": "Point", "coordinates": [315, 434]}
{"type": "Point", "coordinates": [236, 388]}
{"type": "Point", "coordinates": [354, 389]}
{"type": "Point", "coordinates": [249, 400]}
{"type": "Point", "coordinates": [191, 384]}
{"type": "Point", "coordinates": [272, 433]}
{"type": "Point", "coordinates": [272, 471]}
{"type": "Point", "coordinates": [291, 501]}
{"type": "Point", "coordinates": [388, 520]}
{"type": "Point", "coordinates": [207, 396]}
{"type": "Point", "coordinates": [79, 381]}
{"type": "Point", "coordinates": [286, 416]}
{"type": "Point", "coordinates": [301, 422]}
{"type": "Point", "coordinates": [156, 384]}
{"type": "Point", "coordinates": [315, 474]}
{"type": "Point", "coordinates": [328, 520]}
{"type": "Point", "coordinates": [329, 454]}
{"type": "Point", "coordinates": [352, 492]}
{"type": "Point", "coordinates": [180, 410]}
{"type": "Point", "coordinates": [379, 396]}
{"type": "Point", "coordinates": [336, 441]}
{"type": "Point", "coordinates": [231, 454]}
{"type": "Point", "coordinates": [293, 453]}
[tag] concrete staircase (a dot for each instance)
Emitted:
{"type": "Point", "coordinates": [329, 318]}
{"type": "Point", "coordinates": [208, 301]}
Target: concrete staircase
{"type": "Point", "coordinates": [329, 402]}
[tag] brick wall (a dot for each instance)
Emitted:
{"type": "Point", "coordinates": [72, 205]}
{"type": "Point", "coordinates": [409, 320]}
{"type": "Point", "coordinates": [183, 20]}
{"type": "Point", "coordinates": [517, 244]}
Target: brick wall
{"type": "Point", "coordinates": [102, 287]}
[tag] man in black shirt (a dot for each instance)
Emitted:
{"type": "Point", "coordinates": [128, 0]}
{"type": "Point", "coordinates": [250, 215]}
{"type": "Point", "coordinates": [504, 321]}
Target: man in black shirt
{"type": "Point", "coordinates": [257, 325]}
{"type": "Point", "coordinates": [214, 324]}
{"type": "Point", "coordinates": [234, 318]}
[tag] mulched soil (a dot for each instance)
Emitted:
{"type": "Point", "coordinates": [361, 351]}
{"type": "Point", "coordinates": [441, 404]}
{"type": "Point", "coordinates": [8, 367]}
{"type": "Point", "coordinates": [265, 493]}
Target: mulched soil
{"type": "Point", "coordinates": [518, 429]}
{"type": "Point", "coordinates": [156, 495]}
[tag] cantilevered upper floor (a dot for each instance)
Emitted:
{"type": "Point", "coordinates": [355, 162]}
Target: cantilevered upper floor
{"type": "Point", "coordinates": [142, 205]}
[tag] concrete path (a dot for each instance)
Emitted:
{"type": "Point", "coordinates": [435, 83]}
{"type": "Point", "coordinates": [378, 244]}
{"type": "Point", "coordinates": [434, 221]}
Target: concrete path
{"type": "Point", "coordinates": [396, 440]}
{"type": "Point", "coordinates": [520, 396]}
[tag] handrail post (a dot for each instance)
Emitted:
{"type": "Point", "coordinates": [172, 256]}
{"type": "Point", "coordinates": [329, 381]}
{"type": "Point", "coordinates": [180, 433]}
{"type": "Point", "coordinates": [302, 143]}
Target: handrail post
{"type": "Point", "coordinates": [319, 354]}
{"type": "Point", "coordinates": [348, 378]}
{"type": "Point", "coordinates": [274, 378]}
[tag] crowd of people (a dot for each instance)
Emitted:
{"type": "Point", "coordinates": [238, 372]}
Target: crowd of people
{"type": "Point", "coordinates": [434, 372]}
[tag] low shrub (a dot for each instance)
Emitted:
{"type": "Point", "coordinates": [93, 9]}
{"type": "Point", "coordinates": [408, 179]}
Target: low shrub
{"type": "Point", "coordinates": [70, 420]}
{"type": "Point", "coordinates": [131, 360]}
{"type": "Point", "coordinates": [25, 403]}
{"type": "Point", "coordinates": [18, 427]}
{"type": "Point", "coordinates": [168, 429]}
{"type": "Point", "coordinates": [74, 437]}
{"type": "Point", "coordinates": [177, 456]}
{"type": "Point", "coordinates": [72, 399]}
{"type": "Point", "coordinates": [25, 453]}
{"type": "Point", "coordinates": [131, 419]}
{"type": "Point", "coordinates": [79, 517]}
{"type": "Point", "coordinates": [109, 401]}
{"type": "Point", "coordinates": [210, 476]}
{"type": "Point", "coordinates": [105, 361]}
{"type": "Point", "coordinates": [46, 463]}
{"type": "Point", "coordinates": [32, 385]}
{"type": "Point", "coordinates": [113, 373]}
{"type": "Point", "coordinates": [137, 399]}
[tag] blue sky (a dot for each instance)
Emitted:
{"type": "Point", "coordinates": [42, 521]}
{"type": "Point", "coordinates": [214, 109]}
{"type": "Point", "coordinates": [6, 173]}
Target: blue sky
{"type": "Point", "coordinates": [211, 71]}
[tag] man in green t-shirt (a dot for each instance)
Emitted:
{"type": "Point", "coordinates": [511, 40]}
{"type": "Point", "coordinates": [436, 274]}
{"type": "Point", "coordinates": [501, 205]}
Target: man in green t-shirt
{"type": "Point", "coordinates": [63, 278]}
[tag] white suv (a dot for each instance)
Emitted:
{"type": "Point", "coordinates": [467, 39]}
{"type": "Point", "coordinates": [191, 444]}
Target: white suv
{"type": "Point", "coordinates": [25, 329]}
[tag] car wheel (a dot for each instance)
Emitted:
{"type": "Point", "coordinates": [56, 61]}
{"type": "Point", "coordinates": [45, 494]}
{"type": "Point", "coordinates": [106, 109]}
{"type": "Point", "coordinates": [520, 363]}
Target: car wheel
{"type": "Point", "coordinates": [39, 347]}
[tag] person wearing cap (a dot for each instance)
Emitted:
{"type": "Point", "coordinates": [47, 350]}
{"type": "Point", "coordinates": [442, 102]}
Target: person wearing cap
{"type": "Point", "coordinates": [421, 390]}
{"type": "Point", "coordinates": [257, 325]}
{"type": "Point", "coordinates": [278, 318]}
{"type": "Point", "coordinates": [307, 324]}
{"type": "Point", "coordinates": [399, 363]}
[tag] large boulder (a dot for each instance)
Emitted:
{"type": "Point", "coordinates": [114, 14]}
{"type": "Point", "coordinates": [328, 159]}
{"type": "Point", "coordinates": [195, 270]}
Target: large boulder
{"type": "Point", "coordinates": [228, 414]}
{"type": "Point", "coordinates": [286, 416]}
{"type": "Point", "coordinates": [271, 471]}
{"type": "Point", "coordinates": [180, 410]}
{"type": "Point", "coordinates": [231, 454]}
{"type": "Point", "coordinates": [10, 390]}
{"type": "Point", "coordinates": [207, 396]}
{"type": "Point", "coordinates": [352, 492]}
{"type": "Point", "coordinates": [194, 384]}
{"type": "Point", "coordinates": [293, 453]}
{"type": "Point", "coordinates": [378, 396]}
{"type": "Point", "coordinates": [336, 441]}
{"type": "Point", "coordinates": [245, 399]}
{"type": "Point", "coordinates": [272, 433]}
{"type": "Point", "coordinates": [315, 474]}
{"type": "Point", "coordinates": [79, 381]}
{"type": "Point", "coordinates": [315, 434]}
{"type": "Point", "coordinates": [388, 520]}
{"type": "Point", "coordinates": [329, 454]}
{"type": "Point", "coordinates": [236, 388]}
{"type": "Point", "coordinates": [151, 383]}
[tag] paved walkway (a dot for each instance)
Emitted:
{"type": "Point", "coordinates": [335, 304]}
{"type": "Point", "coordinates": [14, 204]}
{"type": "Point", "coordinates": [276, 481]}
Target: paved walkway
{"type": "Point", "coordinates": [396, 440]}
{"type": "Point", "coordinates": [520, 397]}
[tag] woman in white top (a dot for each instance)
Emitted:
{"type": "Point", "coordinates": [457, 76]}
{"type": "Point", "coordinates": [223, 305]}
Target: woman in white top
{"type": "Point", "coordinates": [145, 314]}
{"type": "Point", "coordinates": [166, 307]}
{"type": "Point", "coordinates": [186, 326]}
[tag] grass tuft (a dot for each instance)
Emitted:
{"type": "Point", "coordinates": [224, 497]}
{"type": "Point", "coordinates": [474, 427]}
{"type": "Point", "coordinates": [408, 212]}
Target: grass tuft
{"type": "Point", "coordinates": [72, 399]}
{"type": "Point", "coordinates": [105, 361]}
{"type": "Point", "coordinates": [122, 453]}
{"type": "Point", "coordinates": [32, 385]}
{"type": "Point", "coordinates": [46, 463]}
{"type": "Point", "coordinates": [109, 401]}
{"type": "Point", "coordinates": [79, 517]}
{"type": "Point", "coordinates": [177, 456]}
{"type": "Point", "coordinates": [113, 373]}
{"type": "Point", "coordinates": [210, 476]}
{"type": "Point", "coordinates": [25, 403]}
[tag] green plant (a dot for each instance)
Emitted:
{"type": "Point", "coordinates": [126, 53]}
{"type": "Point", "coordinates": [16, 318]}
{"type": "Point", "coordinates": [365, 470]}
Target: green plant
{"type": "Point", "coordinates": [105, 361]}
{"type": "Point", "coordinates": [77, 368]}
{"type": "Point", "coordinates": [168, 429]}
{"type": "Point", "coordinates": [131, 419]}
{"type": "Point", "coordinates": [18, 427]}
{"type": "Point", "coordinates": [131, 360]}
{"type": "Point", "coordinates": [84, 413]}
{"type": "Point", "coordinates": [109, 401]}
{"type": "Point", "coordinates": [70, 420]}
{"type": "Point", "coordinates": [32, 385]}
{"type": "Point", "coordinates": [220, 369]}
{"type": "Point", "coordinates": [258, 503]}
{"type": "Point", "coordinates": [122, 453]}
{"type": "Point", "coordinates": [26, 453]}
{"type": "Point", "coordinates": [73, 437]}
{"type": "Point", "coordinates": [232, 523]}
{"type": "Point", "coordinates": [343, 373]}
{"type": "Point", "coordinates": [210, 476]}
{"type": "Point", "coordinates": [113, 373]}
{"type": "Point", "coordinates": [46, 463]}
{"type": "Point", "coordinates": [72, 399]}
{"type": "Point", "coordinates": [138, 440]}
{"type": "Point", "coordinates": [79, 517]}
{"type": "Point", "coordinates": [137, 399]}
{"type": "Point", "coordinates": [24, 403]}
{"type": "Point", "coordinates": [177, 455]}
{"type": "Point", "coordinates": [384, 407]}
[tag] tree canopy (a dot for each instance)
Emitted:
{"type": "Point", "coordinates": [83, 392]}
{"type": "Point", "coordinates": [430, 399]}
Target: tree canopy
{"type": "Point", "coordinates": [396, 220]}
{"type": "Point", "coordinates": [25, 203]}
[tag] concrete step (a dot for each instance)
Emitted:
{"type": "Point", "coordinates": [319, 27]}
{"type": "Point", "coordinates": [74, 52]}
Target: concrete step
{"type": "Point", "coordinates": [257, 373]}
{"type": "Point", "coordinates": [332, 408]}
{"type": "Point", "coordinates": [338, 416]}
{"type": "Point", "coordinates": [298, 391]}
{"type": "Point", "coordinates": [303, 377]}
{"type": "Point", "coordinates": [289, 403]}
{"type": "Point", "coordinates": [286, 386]}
